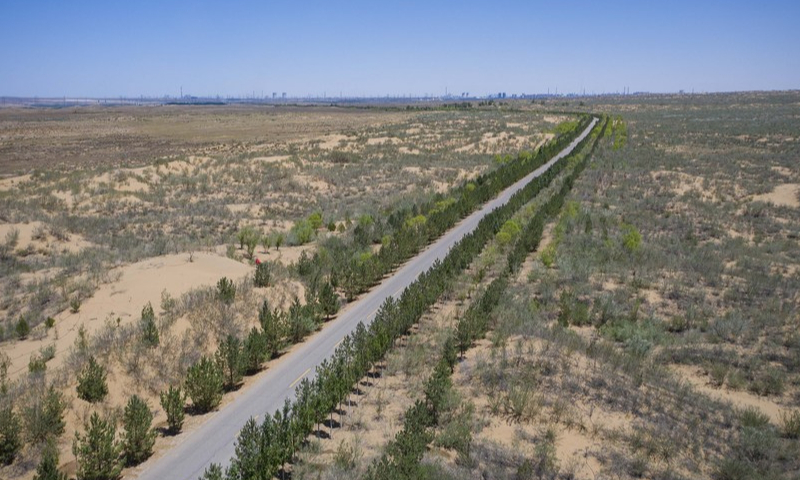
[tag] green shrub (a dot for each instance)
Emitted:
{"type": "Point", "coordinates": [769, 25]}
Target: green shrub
{"type": "Point", "coordinates": [752, 417]}
{"type": "Point", "coordinates": [631, 238]}
{"type": "Point", "coordinates": [75, 304]}
{"type": "Point", "coordinates": [97, 452]}
{"type": "Point", "coordinates": [22, 329]}
{"type": "Point", "coordinates": [263, 275]}
{"type": "Point", "coordinates": [315, 220]}
{"type": "Point", "coordinates": [204, 383]}
{"type": "Point", "coordinates": [508, 232]}
{"type": "Point", "coordinates": [770, 381]}
{"type": "Point", "coordinates": [173, 402]}
{"type": "Point", "coordinates": [255, 351]}
{"type": "Point", "coordinates": [36, 364]}
{"type": "Point", "coordinates": [150, 335]}
{"type": "Point", "coordinates": [226, 291]}
{"type": "Point", "coordinates": [548, 255]}
{"type": "Point", "coordinates": [138, 437]}
{"type": "Point", "coordinates": [92, 385]}
{"type": "Point", "coordinates": [49, 322]}
{"type": "Point", "coordinates": [790, 424]}
{"type": "Point", "coordinates": [10, 440]}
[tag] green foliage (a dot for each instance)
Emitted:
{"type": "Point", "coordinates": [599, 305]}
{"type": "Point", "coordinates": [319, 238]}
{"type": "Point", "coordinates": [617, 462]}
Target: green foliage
{"type": "Point", "coordinates": [303, 232]}
{"type": "Point", "coordinates": [226, 291]}
{"type": "Point", "coordinates": [150, 335]}
{"type": "Point", "coordinates": [548, 255]}
{"type": "Point", "coordinates": [263, 275]}
{"type": "Point", "coordinates": [173, 402]}
{"type": "Point", "coordinates": [315, 220]}
{"type": "Point", "coordinates": [631, 238]}
{"type": "Point", "coordinates": [204, 382]}
{"type": "Point", "coordinates": [509, 232]}
{"type": "Point", "coordinates": [213, 472]}
{"type": "Point", "coordinates": [273, 327]}
{"type": "Point", "coordinates": [10, 439]}
{"type": "Point", "coordinates": [254, 351]}
{"type": "Point", "coordinates": [75, 304]}
{"type": "Point", "coordinates": [48, 466]}
{"type": "Point", "coordinates": [416, 223]}
{"type": "Point", "coordinates": [36, 364]}
{"type": "Point", "coordinates": [328, 300]}
{"type": "Point", "coordinates": [331, 226]}
{"type": "Point", "coordinates": [97, 452]}
{"type": "Point", "coordinates": [92, 385]}
{"type": "Point", "coordinates": [138, 437]}
{"type": "Point", "coordinates": [231, 361]}
{"type": "Point", "coordinates": [752, 417]}
{"type": "Point", "coordinates": [279, 239]}
{"type": "Point", "coordinates": [248, 239]}
{"type": "Point", "coordinates": [44, 415]}
{"type": "Point", "coordinates": [266, 242]}
{"type": "Point", "coordinates": [22, 328]}
{"type": "Point", "coordinates": [49, 322]}
{"type": "Point", "coordinates": [790, 424]}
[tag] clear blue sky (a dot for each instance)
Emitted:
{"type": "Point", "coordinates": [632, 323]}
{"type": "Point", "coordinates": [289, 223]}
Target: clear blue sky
{"type": "Point", "coordinates": [378, 47]}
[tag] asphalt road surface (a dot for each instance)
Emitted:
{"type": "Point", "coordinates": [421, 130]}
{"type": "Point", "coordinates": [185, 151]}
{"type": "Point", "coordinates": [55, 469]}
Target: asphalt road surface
{"type": "Point", "coordinates": [214, 441]}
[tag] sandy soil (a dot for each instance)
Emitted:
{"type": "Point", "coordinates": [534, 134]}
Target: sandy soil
{"type": "Point", "coordinates": [783, 195]}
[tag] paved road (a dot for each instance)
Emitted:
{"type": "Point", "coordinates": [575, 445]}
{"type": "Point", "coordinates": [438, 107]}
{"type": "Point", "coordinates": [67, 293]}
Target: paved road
{"type": "Point", "coordinates": [214, 441]}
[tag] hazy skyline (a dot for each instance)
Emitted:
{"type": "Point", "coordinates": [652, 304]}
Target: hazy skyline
{"type": "Point", "coordinates": [109, 49]}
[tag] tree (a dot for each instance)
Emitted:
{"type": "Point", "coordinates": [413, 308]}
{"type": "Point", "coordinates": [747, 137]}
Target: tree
{"type": "Point", "coordinates": [138, 438]}
{"type": "Point", "coordinates": [315, 220]}
{"type": "Point", "coordinates": [44, 415]}
{"type": "Point", "coordinates": [97, 452]}
{"type": "Point", "coordinates": [173, 401]}
{"type": "Point", "coordinates": [92, 385]}
{"type": "Point", "coordinates": [255, 351]}
{"type": "Point", "coordinates": [204, 385]}
{"type": "Point", "coordinates": [272, 326]}
{"type": "Point", "coordinates": [328, 300]}
{"type": "Point", "coordinates": [213, 472]}
{"type": "Point", "coordinates": [231, 361]}
{"type": "Point", "coordinates": [48, 466]}
{"type": "Point", "coordinates": [149, 328]}
{"type": "Point", "coordinates": [10, 440]}
{"type": "Point", "coordinates": [279, 238]}
{"type": "Point", "coordinates": [266, 242]}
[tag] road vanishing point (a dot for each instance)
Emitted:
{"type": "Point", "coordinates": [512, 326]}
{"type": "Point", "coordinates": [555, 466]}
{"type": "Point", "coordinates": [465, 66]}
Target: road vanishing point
{"type": "Point", "coordinates": [214, 441]}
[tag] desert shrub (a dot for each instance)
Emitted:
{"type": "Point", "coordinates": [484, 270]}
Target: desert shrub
{"type": "Point", "coordinates": [149, 329]}
{"type": "Point", "coordinates": [231, 361]}
{"type": "Point", "coordinates": [734, 469]}
{"type": "Point", "coordinates": [753, 418]}
{"type": "Point", "coordinates": [49, 322]}
{"type": "Point", "coordinates": [138, 437]}
{"type": "Point", "coordinates": [508, 232]}
{"type": "Point", "coordinates": [769, 381]}
{"type": "Point", "coordinates": [548, 255]}
{"type": "Point", "coordinates": [92, 385]}
{"type": "Point", "coordinates": [263, 275]}
{"type": "Point", "coordinates": [10, 439]}
{"type": "Point", "coordinates": [315, 220]}
{"type": "Point", "coordinates": [48, 466]}
{"type": "Point", "coordinates": [75, 304]}
{"type": "Point", "coordinates": [631, 238]}
{"type": "Point", "coordinates": [790, 424]}
{"type": "Point", "coordinates": [173, 402]}
{"type": "Point", "coordinates": [97, 452]}
{"type": "Point", "coordinates": [204, 383]}
{"type": "Point", "coordinates": [36, 364]}
{"type": "Point", "coordinates": [331, 226]}
{"type": "Point", "coordinates": [44, 415]}
{"type": "Point", "coordinates": [248, 239]}
{"type": "Point", "coordinates": [303, 232]}
{"type": "Point", "coordinates": [226, 291]}
{"type": "Point", "coordinates": [347, 456]}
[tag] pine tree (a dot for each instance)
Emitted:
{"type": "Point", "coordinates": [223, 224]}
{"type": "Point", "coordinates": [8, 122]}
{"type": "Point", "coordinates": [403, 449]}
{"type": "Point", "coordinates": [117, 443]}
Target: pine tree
{"type": "Point", "coordinates": [92, 385]}
{"type": "Point", "coordinates": [231, 361]}
{"type": "Point", "coordinates": [48, 466]}
{"type": "Point", "coordinates": [204, 383]}
{"type": "Point", "coordinates": [44, 415]}
{"type": "Point", "coordinates": [173, 402]}
{"type": "Point", "coordinates": [97, 452]}
{"type": "Point", "coordinates": [255, 351]}
{"type": "Point", "coordinates": [328, 300]}
{"type": "Point", "coordinates": [138, 438]}
{"type": "Point", "coordinates": [10, 440]}
{"type": "Point", "coordinates": [149, 328]}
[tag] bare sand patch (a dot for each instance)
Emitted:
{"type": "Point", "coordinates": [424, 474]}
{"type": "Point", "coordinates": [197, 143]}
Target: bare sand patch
{"type": "Point", "coordinates": [783, 195]}
{"type": "Point", "coordinates": [138, 284]}
{"type": "Point", "coordinates": [738, 398]}
{"type": "Point", "coordinates": [36, 237]}
{"type": "Point", "coordinates": [11, 183]}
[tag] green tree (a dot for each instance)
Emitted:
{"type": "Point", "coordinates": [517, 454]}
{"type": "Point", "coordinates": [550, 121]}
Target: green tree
{"type": "Point", "coordinates": [272, 326]}
{"type": "Point", "coordinates": [328, 300]}
{"type": "Point", "coordinates": [10, 440]}
{"type": "Point", "coordinates": [213, 472]}
{"type": "Point", "coordinates": [97, 452]}
{"type": "Point", "coordinates": [138, 437]}
{"type": "Point", "coordinates": [231, 361]}
{"type": "Point", "coordinates": [279, 238]}
{"type": "Point", "coordinates": [173, 402]}
{"type": "Point", "coordinates": [255, 351]}
{"type": "Point", "coordinates": [44, 415]}
{"type": "Point", "coordinates": [266, 242]}
{"type": "Point", "coordinates": [48, 466]}
{"type": "Point", "coordinates": [92, 385]}
{"type": "Point", "coordinates": [204, 383]}
{"type": "Point", "coordinates": [149, 328]}
{"type": "Point", "coordinates": [509, 231]}
{"type": "Point", "coordinates": [315, 220]}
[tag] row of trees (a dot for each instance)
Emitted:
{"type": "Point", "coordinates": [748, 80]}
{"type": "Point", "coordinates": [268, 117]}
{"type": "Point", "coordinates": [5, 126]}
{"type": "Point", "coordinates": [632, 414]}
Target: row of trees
{"type": "Point", "coordinates": [402, 456]}
{"type": "Point", "coordinates": [406, 230]}
{"type": "Point", "coordinates": [263, 449]}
